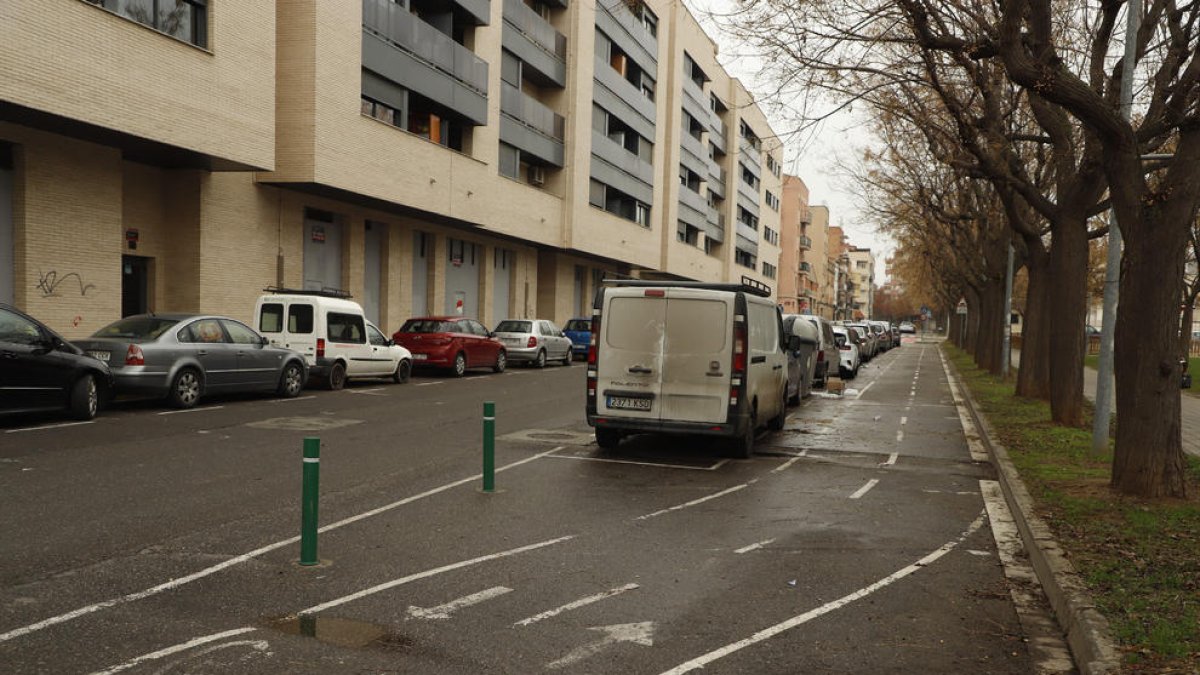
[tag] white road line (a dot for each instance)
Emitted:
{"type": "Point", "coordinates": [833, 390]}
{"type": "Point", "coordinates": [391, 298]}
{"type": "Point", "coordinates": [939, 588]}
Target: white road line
{"type": "Point", "coordinates": [375, 391]}
{"type": "Point", "coordinates": [237, 560]}
{"type": "Point", "coordinates": [974, 440]}
{"type": "Point", "coordinates": [892, 459]}
{"type": "Point", "coordinates": [900, 436]}
{"type": "Point", "coordinates": [184, 646]}
{"type": "Point", "coordinates": [864, 389]}
{"type": "Point", "coordinates": [576, 604]}
{"type": "Point", "coordinates": [863, 490]}
{"type": "Point", "coordinates": [904, 420]}
{"type": "Point", "coordinates": [694, 502]}
{"type": "Point", "coordinates": [190, 410]}
{"type": "Point", "coordinates": [336, 602]}
{"type": "Point", "coordinates": [712, 467]}
{"type": "Point", "coordinates": [772, 631]}
{"type": "Point", "coordinates": [285, 400]}
{"type": "Point", "coordinates": [445, 610]}
{"type": "Point", "coordinates": [752, 547]}
{"type": "Point", "coordinates": [429, 384]}
{"type": "Point", "coordinates": [49, 426]}
{"type": "Point", "coordinates": [474, 377]}
{"type": "Point", "coordinates": [785, 465]}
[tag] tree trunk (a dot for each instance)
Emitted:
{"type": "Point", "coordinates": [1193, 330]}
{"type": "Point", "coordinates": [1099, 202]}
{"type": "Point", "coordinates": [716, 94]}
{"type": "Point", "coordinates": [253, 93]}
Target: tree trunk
{"type": "Point", "coordinates": [1033, 376]}
{"type": "Point", "coordinates": [1149, 458]}
{"type": "Point", "coordinates": [1068, 300]}
{"type": "Point", "coordinates": [991, 327]}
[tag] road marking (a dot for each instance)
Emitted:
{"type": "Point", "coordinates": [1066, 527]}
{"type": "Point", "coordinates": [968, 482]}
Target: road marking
{"type": "Point", "coordinates": [444, 611]}
{"type": "Point", "coordinates": [637, 633]}
{"type": "Point", "coordinates": [286, 400]}
{"type": "Point", "coordinates": [336, 602]}
{"type": "Point", "coordinates": [237, 560]}
{"type": "Point", "coordinates": [429, 384]}
{"type": "Point", "coordinates": [864, 389]}
{"type": "Point", "coordinates": [184, 646]}
{"type": "Point", "coordinates": [694, 502]}
{"type": "Point", "coordinates": [368, 392]}
{"type": "Point", "coordinates": [190, 410]}
{"type": "Point", "coordinates": [974, 440]}
{"type": "Point", "coordinates": [863, 490]}
{"type": "Point", "coordinates": [899, 436]}
{"type": "Point", "coordinates": [49, 426]}
{"type": "Point", "coordinates": [712, 467]}
{"type": "Point", "coordinates": [785, 465]}
{"type": "Point", "coordinates": [752, 547]}
{"type": "Point", "coordinates": [576, 604]}
{"type": "Point", "coordinates": [892, 459]}
{"type": "Point", "coordinates": [772, 631]}
{"type": "Point", "coordinates": [903, 420]}
{"type": "Point", "coordinates": [474, 377]}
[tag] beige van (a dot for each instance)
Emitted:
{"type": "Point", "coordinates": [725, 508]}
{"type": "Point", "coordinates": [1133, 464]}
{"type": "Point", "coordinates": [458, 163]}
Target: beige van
{"type": "Point", "coordinates": [686, 357]}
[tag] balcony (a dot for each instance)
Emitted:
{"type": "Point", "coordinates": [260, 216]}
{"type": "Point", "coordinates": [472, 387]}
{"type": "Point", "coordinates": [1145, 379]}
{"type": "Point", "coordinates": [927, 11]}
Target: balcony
{"type": "Point", "coordinates": [717, 132]}
{"type": "Point", "coordinates": [400, 47]}
{"type": "Point", "coordinates": [805, 268]}
{"type": "Point", "coordinates": [751, 155]}
{"type": "Point", "coordinates": [531, 126]}
{"type": "Point", "coordinates": [693, 210]}
{"type": "Point", "coordinates": [536, 43]}
{"type": "Point", "coordinates": [620, 97]}
{"type": "Point", "coordinates": [805, 242]}
{"type": "Point", "coordinates": [748, 232]}
{"type": "Point", "coordinates": [480, 10]}
{"type": "Point", "coordinates": [748, 194]}
{"type": "Point", "coordinates": [694, 100]}
{"type": "Point", "coordinates": [716, 181]}
{"type": "Point", "coordinates": [692, 155]}
{"type": "Point", "coordinates": [805, 216]}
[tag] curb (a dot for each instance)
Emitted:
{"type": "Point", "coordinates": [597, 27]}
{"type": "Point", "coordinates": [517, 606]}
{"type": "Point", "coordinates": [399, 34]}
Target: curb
{"type": "Point", "coordinates": [1087, 631]}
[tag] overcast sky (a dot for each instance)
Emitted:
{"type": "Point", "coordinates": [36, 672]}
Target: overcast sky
{"type": "Point", "coordinates": [813, 156]}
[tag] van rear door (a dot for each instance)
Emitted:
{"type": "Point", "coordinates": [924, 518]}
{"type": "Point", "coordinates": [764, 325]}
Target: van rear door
{"type": "Point", "coordinates": [629, 367]}
{"type": "Point", "coordinates": [697, 357]}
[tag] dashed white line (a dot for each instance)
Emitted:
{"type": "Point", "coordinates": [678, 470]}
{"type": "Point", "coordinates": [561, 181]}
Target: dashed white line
{"type": "Point", "coordinates": [576, 604]}
{"type": "Point", "coordinates": [442, 612]}
{"type": "Point", "coordinates": [191, 410]}
{"type": "Point", "coordinates": [184, 646]}
{"type": "Point", "coordinates": [49, 426]}
{"type": "Point", "coordinates": [752, 547]}
{"type": "Point", "coordinates": [286, 400]}
{"type": "Point", "coordinates": [864, 489]}
{"type": "Point", "coordinates": [785, 465]}
{"type": "Point", "coordinates": [694, 502]}
{"type": "Point", "coordinates": [429, 384]}
{"type": "Point", "coordinates": [900, 436]}
{"type": "Point", "coordinates": [904, 420]}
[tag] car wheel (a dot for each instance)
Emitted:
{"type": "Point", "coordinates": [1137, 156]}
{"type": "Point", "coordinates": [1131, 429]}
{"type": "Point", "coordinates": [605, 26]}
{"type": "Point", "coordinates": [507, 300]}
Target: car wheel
{"type": "Point", "coordinates": [403, 372]}
{"type": "Point", "coordinates": [501, 362]}
{"type": "Point", "coordinates": [776, 423]}
{"type": "Point", "coordinates": [607, 439]}
{"type": "Point", "coordinates": [291, 381]}
{"type": "Point", "coordinates": [743, 445]}
{"type": "Point", "coordinates": [460, 364]}
{"type": "Point", "coordinates": [567, 358]}
{"type": "Point", "coordinates": [185, 388]}
{"type": "Point", "coordinates": [337, 377]}
{"type": "Point", "coordinates": [85, 398]}
{"type": "Point", "coordinates": [540, 362]}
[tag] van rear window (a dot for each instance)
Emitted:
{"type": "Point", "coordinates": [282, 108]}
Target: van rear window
{"type": "Point", "coordinates": [695, 326]}
{"type": "Point", "coordinates": [270, 320]}
{"type": "Point", "coordinates": [300, 318]}
{"type": "Point", "coordinates": [634, 323]}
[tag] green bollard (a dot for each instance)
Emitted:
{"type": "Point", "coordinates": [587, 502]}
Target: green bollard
{"type": "Point", "coordinates": [308, 501]}
{"type": "Point", "coordinates": [489, 446]}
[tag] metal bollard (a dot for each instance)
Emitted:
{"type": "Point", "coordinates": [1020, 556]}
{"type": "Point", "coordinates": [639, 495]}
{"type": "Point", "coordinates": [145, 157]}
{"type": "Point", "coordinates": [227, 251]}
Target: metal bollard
{"type": "Point", "coordinates": [489, 446]}
{"type": "Point", "coordinates": [308, 501]}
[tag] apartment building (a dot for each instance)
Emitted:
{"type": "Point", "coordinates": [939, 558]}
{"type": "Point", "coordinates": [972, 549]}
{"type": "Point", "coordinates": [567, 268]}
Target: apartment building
{"type": "Point", "coordinates": [862, 276]}
{"type": "Point", "coordinates": [486, 157]}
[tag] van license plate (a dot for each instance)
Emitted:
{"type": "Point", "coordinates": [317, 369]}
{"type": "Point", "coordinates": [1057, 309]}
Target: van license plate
{"type": "Point", "coordinates": [626, 403]}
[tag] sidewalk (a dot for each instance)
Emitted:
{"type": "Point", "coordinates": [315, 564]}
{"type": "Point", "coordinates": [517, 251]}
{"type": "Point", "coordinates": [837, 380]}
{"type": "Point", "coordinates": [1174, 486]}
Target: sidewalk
{"type": "Point", "coordinates": [1189, 413]}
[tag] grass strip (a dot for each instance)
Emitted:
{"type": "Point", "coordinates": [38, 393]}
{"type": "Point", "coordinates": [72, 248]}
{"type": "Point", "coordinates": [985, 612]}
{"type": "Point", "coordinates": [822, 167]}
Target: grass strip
{"type": "Point", "coordinates": [1139, 557]}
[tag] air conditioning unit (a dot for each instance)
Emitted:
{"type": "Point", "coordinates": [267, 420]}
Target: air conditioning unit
{"type": "Point", "coordinates": [537, 175]}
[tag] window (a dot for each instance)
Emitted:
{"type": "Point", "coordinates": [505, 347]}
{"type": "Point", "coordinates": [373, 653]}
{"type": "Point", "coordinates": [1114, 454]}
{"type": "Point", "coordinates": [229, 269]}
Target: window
{"type": "Point", "coordinates": [688, 234]}
{"type": "Point", "coordinates": [375, 337]}
{"type": "Point", "coordinates": [744, 258]}
{"type": "Point", "coordinates": [185, 20]}
{"type": "Point", "coordinates": [773, 166]}
{"type": "Point", "coordinates": [144, 327]}
{"type": "Point", "coordinates": [861, 264]}
{"type": "Point", "coordinates": [270, 319]}
{"type": "Point", "coordinates": [712, 247]}
{"type": "Point", "coordinates": [16, 329]}
{"type": "Point", "coordinates": [641, 214]}
{"type": "Point", "coordinates": [747, 218]}
{"type": "Point", "coordinates": [768, 270]}
{"type": "Point", "coordinates": [510, 161]}
{"type": "Point", "coordinates": [204, 331]}
{"type": "Point", "coordinates": [771, 236]}
{"type": "Point", "coordinates": [748, 176]}
{"type": "Point", "coordinates": [381, 112]}
{"type": "Point", "coordinates": [772, 201]}
{"type": "Point", "coordinates": [300, 318]}
{"type": "Point", "coordinates": [346, 328]}
{"type": "Point", "coordinates": [596, 193]}
{"type": "Point", "coordinates": [240, 333]}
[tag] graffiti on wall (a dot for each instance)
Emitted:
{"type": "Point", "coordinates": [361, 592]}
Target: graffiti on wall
{"type": "Point", "coordinates": [53, 286]}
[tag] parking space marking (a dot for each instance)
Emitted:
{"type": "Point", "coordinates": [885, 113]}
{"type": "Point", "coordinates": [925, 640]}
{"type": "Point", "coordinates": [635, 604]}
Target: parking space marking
{"type": "Point", "coordinates": [370, 392]}
{"type": "Point", "coordinates": [661, 465]}
{"type": "Point", "coordinates": [772, 631]}
{"type": "Point", "coordinates": [785, 465]}
{"type": "Point", "coordinates": [694, 502]}
{"type": "Point", "coordinates": [442, 612]}
{"type": "Point", "coordinates": [752, 547]}
{"type": "Point", "coordinates": [285, 400]}
{"type": "Point", "coordinates": [49, 426]}
{"type": "Point", "coordinates": [864, 389]}
{"type": "Point", "coordinates": [337, 602]}
{"type": "Point", "coordinates": [190, 410]}
{"type": "Point", "coordinates": [903, 420]}
{"type": "Point", "coordinates": [582, 602]}
{"type": "Point", "coordinates": [899, 436]}
{"type": "Point", "coordinates": [891, 459]}
{"type": "Point", "coordinates": [864, 489]}
{"type": "Point", "coordinates": [429, 384]}
{"type": "Point", "coordinates": [237, 560]}
{"type": "Point", "coordinates": [183, 646]}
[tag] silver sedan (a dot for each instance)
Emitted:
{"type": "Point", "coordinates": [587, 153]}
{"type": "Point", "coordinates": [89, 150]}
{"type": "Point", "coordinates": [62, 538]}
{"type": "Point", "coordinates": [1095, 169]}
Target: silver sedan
{"type": "Point", "coordinates": [534, 341]}
{"type": "Point", "coordinates": [185, 356]}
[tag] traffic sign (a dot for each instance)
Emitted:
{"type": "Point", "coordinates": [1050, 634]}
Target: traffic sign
{"type": "Point", "coordinates": [962, 306]}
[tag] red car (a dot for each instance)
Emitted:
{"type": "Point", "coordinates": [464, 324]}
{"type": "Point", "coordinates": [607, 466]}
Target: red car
{"type": "Point", "coordinates": [451, 342]}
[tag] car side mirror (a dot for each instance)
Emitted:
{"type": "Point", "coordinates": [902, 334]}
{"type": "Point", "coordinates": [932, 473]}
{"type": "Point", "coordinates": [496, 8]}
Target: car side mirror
{"type": "Point", "coordinates": [389, 342]}
{"type": "Point", "coordinates": [265, 340]}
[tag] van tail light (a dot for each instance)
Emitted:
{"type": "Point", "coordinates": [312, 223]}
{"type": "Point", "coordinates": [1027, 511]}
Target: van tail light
{"type": "Point", "coordinates": [738, 382]}
{"type": "Point", "coordinates": [592, 341]}
{"type": "Point", "coordinates": [592, 364]}
{"type": "Point", "coordinates": [532, 341]}
{"type": "Point", "coordinates": [320, 348]}
{"type": "Point", "coordinates": [134, 356]}
{"type": "Point", "coordinates": [820, 355]}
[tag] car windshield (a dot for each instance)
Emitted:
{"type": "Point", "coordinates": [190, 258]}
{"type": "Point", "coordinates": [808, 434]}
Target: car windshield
{"type": "Point", "coordinates": [136, 327]}
{"type": "Point", "coordinates": [578, 324]}
{"type": "Point", "coordinates": [515, 327]}
{"type": "Point", "coordinates": [425, 326]}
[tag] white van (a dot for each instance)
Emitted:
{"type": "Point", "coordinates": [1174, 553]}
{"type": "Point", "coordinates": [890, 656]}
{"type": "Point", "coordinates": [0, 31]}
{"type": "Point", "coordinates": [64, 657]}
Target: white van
{"type": "Point", "coordinates": [332, 333]}
{"type": "Point", "coordinates": [686, 357]}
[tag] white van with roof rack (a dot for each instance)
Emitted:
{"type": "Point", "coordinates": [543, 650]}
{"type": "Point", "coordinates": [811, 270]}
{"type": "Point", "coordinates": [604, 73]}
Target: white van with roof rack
{"type": "Point", "coordinates": [332, 333]}
{"type": "Point", "coordinates": [686, 358]}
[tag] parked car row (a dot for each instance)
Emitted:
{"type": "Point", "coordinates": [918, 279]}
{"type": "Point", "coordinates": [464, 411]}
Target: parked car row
{"type": "Point", "coordinates": [302, 338]}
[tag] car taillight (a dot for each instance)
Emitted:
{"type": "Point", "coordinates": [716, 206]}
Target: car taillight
{"type": "Point", "coordinates": [592, 340]}
{"type": "Point", "coordinates": [320, 348]}
{"type": "Point", "coordinates": [820, 354]}
{"type": "Point", "coordinates": [532, 341]}
{"type": "Point", "coordinates": [592, 368]}
{"type": "Point", "coordinates": [739, 363]}
{"type": "Point", "coordinates": [134, 356]}
{"type": "Point", "coordinates": [845, 348]}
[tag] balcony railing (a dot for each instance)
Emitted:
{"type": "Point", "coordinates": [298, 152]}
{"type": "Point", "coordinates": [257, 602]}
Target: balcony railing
{"type": "Point", "coordinates": [751, 154]}
{"type": "Point", "coordinates": [805, 242]}
{"type": "Point", "coordinates": [806, 268]}
{"type": "Point", "coordinates": [530, 112]}
{"type": "Point", "coordinates": [403, 29]}
{"type": "Point", "coordinates": [534, 27]}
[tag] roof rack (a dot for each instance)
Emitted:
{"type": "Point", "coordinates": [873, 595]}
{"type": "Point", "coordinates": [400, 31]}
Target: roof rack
{"type": "Point", "coordinates": [747, 285]}
{"type": "Point", "coordinates": [325, 292]}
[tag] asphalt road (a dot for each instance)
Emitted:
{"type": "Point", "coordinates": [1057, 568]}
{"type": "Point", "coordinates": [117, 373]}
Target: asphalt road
{"type": "Point", "coordinates": [856, 540]}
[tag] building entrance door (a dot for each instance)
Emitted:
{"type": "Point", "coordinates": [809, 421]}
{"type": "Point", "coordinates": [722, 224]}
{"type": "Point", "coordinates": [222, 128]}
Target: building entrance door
{"type": "Point", "coordinates": [135, 285]}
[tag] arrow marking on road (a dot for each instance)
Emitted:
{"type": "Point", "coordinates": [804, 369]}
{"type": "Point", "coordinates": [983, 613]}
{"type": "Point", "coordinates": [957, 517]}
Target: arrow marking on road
{"type": "Point", "coordinates": [637, 633]}
{"type": "Point", "coordinates": [576, 604]}
{"type": "Point", "coordinates": [444, 611]}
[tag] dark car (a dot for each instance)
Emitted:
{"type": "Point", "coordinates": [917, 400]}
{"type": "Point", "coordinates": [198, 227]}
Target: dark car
{"type": "Point", "coordinates": [39, 370]}
{"type": "Point", "coordinates": [580, 333]}
{"type": "Point", "coordinates": [451, 342]}
{"type": "Point", "coordinates": [184, 356]}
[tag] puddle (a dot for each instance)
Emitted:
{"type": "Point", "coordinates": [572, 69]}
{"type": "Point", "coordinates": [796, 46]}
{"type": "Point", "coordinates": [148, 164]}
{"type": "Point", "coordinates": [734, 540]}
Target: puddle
{"type": "Point", "coordinates": [342, 632]}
